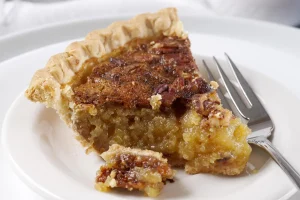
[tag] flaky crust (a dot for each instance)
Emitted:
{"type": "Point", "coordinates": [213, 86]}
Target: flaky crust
{"type": "Point", "coordinates": [116, 149]}
{"type": "Point", "coordinates": [52, 85]}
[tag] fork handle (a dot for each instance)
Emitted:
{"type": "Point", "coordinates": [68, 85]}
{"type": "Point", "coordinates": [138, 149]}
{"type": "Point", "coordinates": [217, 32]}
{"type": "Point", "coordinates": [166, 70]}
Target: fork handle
{"type": "Point", "coordinates": [278, 157]}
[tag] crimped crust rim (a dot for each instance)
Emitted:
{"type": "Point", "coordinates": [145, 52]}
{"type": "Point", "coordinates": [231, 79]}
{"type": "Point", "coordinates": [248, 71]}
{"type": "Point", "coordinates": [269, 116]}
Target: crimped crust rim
{"type": "Point", "coordinates": [46, 84]}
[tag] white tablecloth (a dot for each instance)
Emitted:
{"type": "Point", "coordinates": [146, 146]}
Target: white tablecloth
{"type": "Point", "coordinates": [32, 14]}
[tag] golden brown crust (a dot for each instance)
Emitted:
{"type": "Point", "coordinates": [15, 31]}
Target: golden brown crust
{"type": "Point", "coordinates": [48, 85]}
{"type": "Point", "coordinates": [116, 149]}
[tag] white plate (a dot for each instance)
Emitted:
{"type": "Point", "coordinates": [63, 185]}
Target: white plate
{"type": "Point", "coordinates": [45, 155]}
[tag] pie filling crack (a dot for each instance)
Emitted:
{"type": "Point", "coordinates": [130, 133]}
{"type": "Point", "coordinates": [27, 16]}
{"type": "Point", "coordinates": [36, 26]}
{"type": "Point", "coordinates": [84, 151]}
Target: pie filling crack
{"type": "Point", "coordinates": [136, 84]}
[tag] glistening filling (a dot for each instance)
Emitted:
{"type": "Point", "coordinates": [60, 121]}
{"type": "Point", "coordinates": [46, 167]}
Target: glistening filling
{"type": "Point", "coordinates": [149, 95]}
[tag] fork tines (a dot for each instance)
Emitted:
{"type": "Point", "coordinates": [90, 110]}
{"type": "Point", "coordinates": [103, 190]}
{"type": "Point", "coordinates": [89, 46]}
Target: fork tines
{"type": "Point", "coordinates": [250, 107]}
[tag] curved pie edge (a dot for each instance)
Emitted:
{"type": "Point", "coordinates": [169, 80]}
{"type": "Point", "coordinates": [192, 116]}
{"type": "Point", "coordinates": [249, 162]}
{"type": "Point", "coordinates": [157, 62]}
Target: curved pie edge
{"type": "Point", "coordinates": [51, 85]}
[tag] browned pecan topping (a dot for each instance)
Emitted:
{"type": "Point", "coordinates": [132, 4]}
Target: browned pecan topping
{"type": "Point", "coordinates": [204, 105]}
{"type": "Point", "coordinates": [207, 104]}
{"type": "Point", "coordinates": [144, 67]}
{"type": "Point", "coordinates": [116, 61]}
{"type": "Point", "coordinates": [161, 88]}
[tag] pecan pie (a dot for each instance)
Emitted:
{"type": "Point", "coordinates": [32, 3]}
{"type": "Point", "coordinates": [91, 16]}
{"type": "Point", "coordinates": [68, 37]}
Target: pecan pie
{"type": "Point", "coordinates": [128, 168]}
{"type": "Point", "coordinates": [136, 84]}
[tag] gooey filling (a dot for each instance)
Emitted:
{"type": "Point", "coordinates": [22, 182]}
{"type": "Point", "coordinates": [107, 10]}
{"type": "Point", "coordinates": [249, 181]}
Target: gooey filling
{"type": "Point", "coordinates": [149, 95]}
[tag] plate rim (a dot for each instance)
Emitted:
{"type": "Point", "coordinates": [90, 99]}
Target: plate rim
{"type": "Point", "coordinates": [16, 168]}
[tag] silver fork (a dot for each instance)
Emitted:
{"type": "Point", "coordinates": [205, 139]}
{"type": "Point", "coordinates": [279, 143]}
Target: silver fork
{"type": "Point", "coordinates": [251, 110]}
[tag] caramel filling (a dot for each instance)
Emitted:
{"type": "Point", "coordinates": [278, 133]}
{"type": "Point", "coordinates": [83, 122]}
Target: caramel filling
{"type": "Point", "coordinates": [149, 95]}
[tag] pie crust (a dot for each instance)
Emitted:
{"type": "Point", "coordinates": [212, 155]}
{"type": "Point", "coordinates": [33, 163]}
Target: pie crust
{"type": "Point", "coordinates": [52, 85]}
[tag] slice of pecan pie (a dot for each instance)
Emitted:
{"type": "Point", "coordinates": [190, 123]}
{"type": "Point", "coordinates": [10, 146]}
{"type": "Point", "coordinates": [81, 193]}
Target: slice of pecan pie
{"type": "Point", "coordinates": [136, 84]}
{"type": "Point", "coordinates": [128, 168]}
